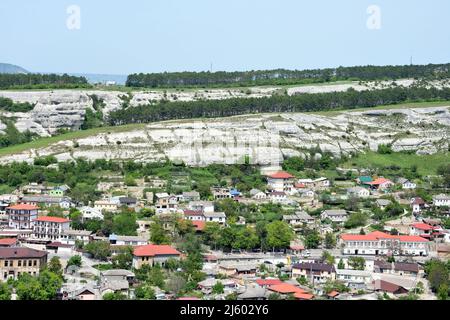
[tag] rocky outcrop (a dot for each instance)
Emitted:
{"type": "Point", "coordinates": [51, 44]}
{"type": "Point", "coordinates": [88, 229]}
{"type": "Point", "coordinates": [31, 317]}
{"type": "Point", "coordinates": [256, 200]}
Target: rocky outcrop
{"type": "Point", "coordinates": [263, 139]}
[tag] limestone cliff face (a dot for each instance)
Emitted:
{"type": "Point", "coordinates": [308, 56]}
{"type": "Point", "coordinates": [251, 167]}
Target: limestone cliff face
{"type": "Point", "coordinates": [57, 109]}
{"type": "Point", "coordinates": [264, 139]}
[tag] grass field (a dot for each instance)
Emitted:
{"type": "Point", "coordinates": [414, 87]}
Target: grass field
{"type": "Point", "coordinates": [426, 164]}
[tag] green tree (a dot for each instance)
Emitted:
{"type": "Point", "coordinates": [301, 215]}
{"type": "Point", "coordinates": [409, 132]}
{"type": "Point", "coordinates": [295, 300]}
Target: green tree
{"type": "Point", "coordinates": [125, 224]}
{"type": "Point", "coordinates": [123, 259]}
{"type": "Point", "coordinates": [218, 288]}
{"type": "Point", "coordinates": [75, 261]}
{"type": "Point", "coordinates": [114, 296]}
{"type": "Point", "coordinates": [144, 292]}
{"type": "Point", "coordinates": [357, 263]}
{"type": "Point", "coordinates": [54, 265]}
{"type": "Point", "coordinates": [279, 235]}
{"type": "Point", "coordinates": [330, 240]}
{"type": "Point", "coordinates": [437, 273]}
{"type": "Point", "coordinates": [5, 291]}
{"type": "Point", "coordinates": [356, 219]}
{"type": "Point", "coordinates": [157, 233]}
{"type": "Point", "coordinates": [100, 250]}
{"type": "Point", "coordinates": [328, 257]}
{"type": "Point", "coordinates": [443, 292]}
{"type": "Point", "coordinates": [341, 264]}
{"type": "Point", "coordinates": [312, 239]}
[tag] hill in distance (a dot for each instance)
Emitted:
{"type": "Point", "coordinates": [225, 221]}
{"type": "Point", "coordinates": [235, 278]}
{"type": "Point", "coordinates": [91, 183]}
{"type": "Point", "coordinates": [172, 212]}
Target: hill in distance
{"type": "Point", "coordinates": [10, 68]}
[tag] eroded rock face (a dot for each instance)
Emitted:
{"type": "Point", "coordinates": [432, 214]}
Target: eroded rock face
{"type": "Point", "coordinates": [262, 139]}
{"type": "Point", "coordinates": [65, 109]}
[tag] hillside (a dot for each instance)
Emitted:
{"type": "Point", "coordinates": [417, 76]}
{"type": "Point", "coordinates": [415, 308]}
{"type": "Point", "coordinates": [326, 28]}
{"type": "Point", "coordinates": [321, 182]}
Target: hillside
{"type": "Point", "coordinates": [264, 138]}
{"type": "Point", "coordinates": [10, 68]}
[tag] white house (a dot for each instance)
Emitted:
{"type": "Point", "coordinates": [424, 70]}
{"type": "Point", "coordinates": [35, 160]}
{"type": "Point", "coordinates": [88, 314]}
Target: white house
{"type": "Point", "coordinates": [441, 200]}
{"type": "Point", "coordinates": [218, 217]}
{"type": "Point", "coordinates": [356, 279]}
{"type": "Point", "coordinates": [70, 236]}
{"type": "Point", "coordinates": [358, 192]}
{"type": "Point", "coordinates": [257, 194]}
{"type": "Point", "coordinates": [106, 205]}
{"type": "Point", "coordinates": [407, 184]}
{"type": "Point", "coordinates": [417, 205]}
{"type": "Point", "coordinates": [89, 213]}
{"type": "Point", "coordinates": [277, 196]}
{"type": "Point", "coordinates": [280, 182]}
{"type": "Point", "coordinates": [380, 243]}
{"type": "Point", "coordinates": [298, 218]}
{"type": "Point", "coordinates": [337, 216]}
{"type": "Point", "coordinates": [205, 206]}
{"type": "Point", "coordinates": [50, 228]}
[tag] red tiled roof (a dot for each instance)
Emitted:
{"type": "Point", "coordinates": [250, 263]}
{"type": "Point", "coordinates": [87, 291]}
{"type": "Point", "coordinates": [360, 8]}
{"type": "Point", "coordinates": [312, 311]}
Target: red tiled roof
{"type": "Point", "coordinates": [281, 175]}
{"type": "Point", "coordinates": [303, 296]}
{"type": "Point", "coordinates": [285, 288]}
{"type": "Point", "coordinates": [199, 225]}
{"type": "Point", "coordinates": [376, 235]}
{"type": "Point", "coordinates": [268, 282]}
{"type": "Point", "coordinates": [299, 185]}
{"type": "Point", "coordinates": [13, 253]}
{"type": "Point", "coordinates": [152, 250]}
{"type": "Point", "coordinates": [379, 181]}
{"type": "Point", "coordinates": [333, 294]}
{"type": "Point", "coordinates": [195, 213]}
{"type": "Point", "coordinates": [8, 241]}
{"type": "Point", "coordinates": [418, 200]}
{"type": "Point", "coordinates": [422, 226]}
{"type": "Point", "coordinates": [52, 219]}
{"type": "Point", "coordinates": [23, 207]}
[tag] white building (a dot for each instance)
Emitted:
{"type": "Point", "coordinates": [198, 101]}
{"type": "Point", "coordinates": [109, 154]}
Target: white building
{"type": "Point", "coordinates": [354, 278]}
{"type": "Point", "coordinates": [277, 197]}
{"type": "Point", "coordinates": [337, 216]}
{"type": "Point", "coordinates": [72, 236]}
{"type": "Point", "coordinates": [407, 184]}
{"type": "Point", "coordinates": [50, 228]}
{"type": "Point", "coordinates": [257, 194]}
{"type": "Point", "coordinates": [205, 206]}
{"type": "Point", "coordinates": [380, 243]}
{"type": "Point", "coordinates": [218, 217]}
{"type": "Point", "coordinates": [441, 200]}
{"type": "Point", "coordinates": [106, 205]}
{"type": "Point", "coordinates": [89, 213]}
{"type": "Point", "coordinates": [280, 182]}
{"type": "Point", "coordinates": [358, 192]}
{"type": "Point", "coordinates": [21, 216]}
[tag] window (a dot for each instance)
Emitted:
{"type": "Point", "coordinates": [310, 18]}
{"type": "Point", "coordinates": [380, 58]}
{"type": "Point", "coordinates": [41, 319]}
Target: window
{"type": "Point", "coordinates": [19, 263]}
{"type": "Point", "coordinates": [6, 263]}
{"type": "Point", "coordinates": [34, 263]}
{"type": "Point", "coordinates": [29, 263]}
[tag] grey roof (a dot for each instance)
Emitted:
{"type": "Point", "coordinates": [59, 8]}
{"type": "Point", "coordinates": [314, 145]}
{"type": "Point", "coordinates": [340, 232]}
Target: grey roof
{"type": "Point", "coordinates": [45, 199]}
{"type": "Point", "coordinates": [71, 232]}
{"type": "Point", "coordinates": [116, 285]}
{"type": "Point", "coordinates": [441, 197]}
{"type": "Point", "coordinates": [335, 212]}
{"type": "Point", "coordinates": [117, 272]}
{"type": "Point", "coordinates": [214, 215]}
{"type": "Point", "coordinates": [383, 202]}
{"type": "Point", "coordinates": [254, 192]}
{"type": "Point", "coordinates": [253, 293]}
{"type": "Point", "coordinates": [191, 194]}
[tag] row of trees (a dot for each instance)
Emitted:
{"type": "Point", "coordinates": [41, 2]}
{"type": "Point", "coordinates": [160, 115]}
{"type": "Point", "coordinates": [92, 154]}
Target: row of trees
{"type": "Point", "coordinates": [41, 81]}
{"type": "Point", "coordinates": [7, 104]}
{"type": "Point", "coordinates": [283, 76]}
{"type": "Point", "coordinates": [278, 103]}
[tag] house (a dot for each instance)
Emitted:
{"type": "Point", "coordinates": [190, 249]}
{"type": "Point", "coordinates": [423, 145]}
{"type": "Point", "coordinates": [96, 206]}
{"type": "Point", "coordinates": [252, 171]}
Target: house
{"type": "Point", "coordinates": [47, 201]}
{"type": "Point", "coordinates": [406, 269]}
{"type": "Point", "coordinates": [382, 203]}
{"type": "Point", "coordinates": [15, 261]}
{"type": "Point", "coordinates": [221, 193]}
{"type": "Point", "coordinates": [50, 228]}
{"type": "Point", "coordinates": [253, 293]}
{"type": "Point", "coordinates": [364, 180]}
{"type": "Point", "coordinates": [321, 183]}
{"type": "Point", "coordinates": [421, 229]}
{"type": "Point", "coordinates": [126, 240]}
{"type": "Point", "coordinates": [194, 215]}
{"type": "Point", "coordinates": [257, 194]}
{"type": "Point", "coordinates": [280, 181]}
{"type": "Point", "coordinates": [191, 196]}
{"type": "Point", "coordinates": [277, 196]}
{"type": "Point", "coordinates": [299, 217]}
{"type": "Point", "coordinates": [355, 279]}
{"type": "Point", "coordinates": [337, 216]}
{"type": "Point", "coordinates": [380, 184]}
{"type": "Point", "coordinates": [128, 202]}
{"type": "Point", "coordinates": [358, 192]}
{"type": "Point", "coordinates": [417, 205]}
{"type": "Point", "coordinates": [218, 217]}
{"type": "Point", "coordinates": [199, 226]}
{"type": "Point", "coordinates": [109, 276]}
{"type": "Point", "coordinates": [287, 289]}
{"type": "Point", "coordinates": [406, 184]}
{"type": "Point", "coordinates": [35, 188]}
{"type": "Point", "coordinates": [207, 285]}
{"type": "Point", "coordinates": [89, 213]}
{"type": "Point", "coordinates": [72, 237]}
{"type": "Point", "coordinates": [8, 242]}
{"type": "Point", "coordinates": [388, 287]}
{"type": "Point", "coordinates": [441, 200]}
{"type": "Point", "coordinates": [165, 203]}
{"type": "Point", "coordinates": [306, 193]}
{"type": "Point", "coordinates": [264, 283]}
{"type": "Point", "coordinates": [381, 266]}
{"type": "Point", "coordinates": [205, 206]}
{"type": "Point", "coordinates": [317, 272]}
{"type": "Point", "coordinates": [21, 216]}
{"type": "Point", "coordinates": [106, 205]}
{"type": "Point", "coordinates": [153, 254]}
{"type": "Point", "coordinates": [380, 243]}
{"type": "Point", "coordinates": [86, 294]}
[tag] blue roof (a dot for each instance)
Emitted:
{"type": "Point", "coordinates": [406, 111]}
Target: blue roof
{"type": "Point", "coordinates": [234, 192]}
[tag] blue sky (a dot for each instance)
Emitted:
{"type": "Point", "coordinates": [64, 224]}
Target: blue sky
{"type": "Point", "coordinates": [121, 37]}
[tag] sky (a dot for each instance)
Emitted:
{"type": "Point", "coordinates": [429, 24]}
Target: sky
{"type": "Point", "coordinates": [123, 37]}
